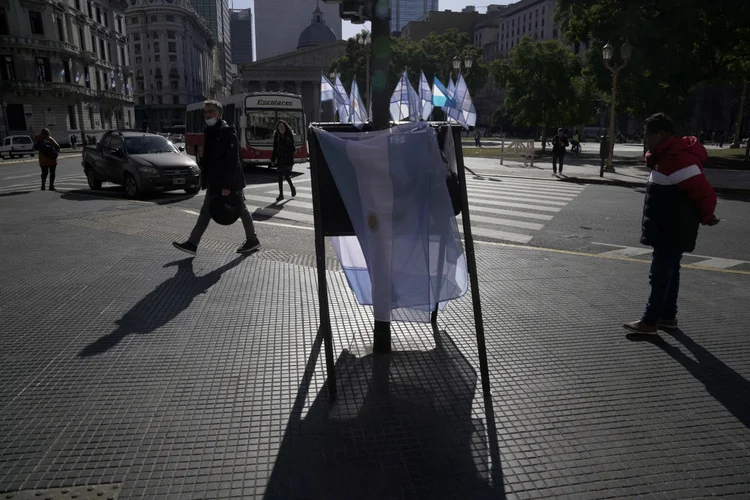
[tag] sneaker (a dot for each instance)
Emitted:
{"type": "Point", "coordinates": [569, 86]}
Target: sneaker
{"type": "Point", "coordinates": [186, 247]}
{"type": "Point", "coordinates": [640, 327]}
{"type": "Point", "coordinates": [280, 197]}
{"type": "Point", "coordinates": [249, 246]}
{"type": "Point", "coordinates": [667, 324]}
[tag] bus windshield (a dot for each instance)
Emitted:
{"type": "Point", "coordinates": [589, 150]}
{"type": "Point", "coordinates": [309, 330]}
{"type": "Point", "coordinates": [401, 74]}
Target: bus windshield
{"type": "Point", "coordinates": [262, 122]}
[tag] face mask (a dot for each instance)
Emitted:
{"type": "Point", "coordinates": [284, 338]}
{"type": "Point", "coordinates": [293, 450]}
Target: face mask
{"type": "Point", "coordinates": [211, 122]}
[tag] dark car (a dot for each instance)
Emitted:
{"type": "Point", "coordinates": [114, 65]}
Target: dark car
{"type": "Point", "coordinates": [143, 163]}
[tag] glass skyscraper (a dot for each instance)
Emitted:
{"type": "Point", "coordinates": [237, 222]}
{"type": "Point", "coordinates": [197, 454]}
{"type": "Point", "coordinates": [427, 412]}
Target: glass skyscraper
{"type": "Point", "coordinates": [403, 11]}
{"type": "Point", "coordinates": [241, 30]}
{"type": "Point", "coordinates": [216, 15]}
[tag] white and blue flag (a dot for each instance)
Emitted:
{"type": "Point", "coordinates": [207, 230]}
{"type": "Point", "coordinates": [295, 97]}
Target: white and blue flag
{"type": "Point", "coordinates": [441, 98]}
{"type": "Point", "coordinates": [464, 113]}
{"type": "Point", "coordinates": [406, 256]}
{"type": "Point", "coordinates": [404, 101]}
{"type": "Point", "coordinates": [343, 105]}
{"type": "Point", "coordinates": [326, 89]}
{"type": "Point", "coordinates": [425, 97]}
{"type": "Point", "coordinates": [358, 112]}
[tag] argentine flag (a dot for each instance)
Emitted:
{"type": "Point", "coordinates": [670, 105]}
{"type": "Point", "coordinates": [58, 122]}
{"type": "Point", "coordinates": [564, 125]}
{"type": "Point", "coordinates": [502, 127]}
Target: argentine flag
{"type": "Point", "coordinates": [425, 97]}
{"type": "Point", "coordinates": [464, 113]}
{"type": "Point", "coordinates": [326, 89]}
{"type": "Point", "coordinates": [359, 113]}
{"type": "Point", "coordinates": [343, 104]}
{"type": "Point", "coordinates": [441, 98]}
{"type": "Point", "coordinates": [407, 255]}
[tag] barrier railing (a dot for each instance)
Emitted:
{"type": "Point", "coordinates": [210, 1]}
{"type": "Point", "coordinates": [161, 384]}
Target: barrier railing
{"type": "Point", "coordinates": [516, 149]}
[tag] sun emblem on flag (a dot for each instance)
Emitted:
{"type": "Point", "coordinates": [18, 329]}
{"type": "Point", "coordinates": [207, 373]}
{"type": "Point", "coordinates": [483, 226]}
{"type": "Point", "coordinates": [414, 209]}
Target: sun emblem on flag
{"type": "Point", "coordinates": [372, 221]}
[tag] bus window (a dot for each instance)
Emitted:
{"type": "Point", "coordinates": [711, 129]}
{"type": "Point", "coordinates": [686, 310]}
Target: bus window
{"type": "Point", "coordinates": [229, 114]}
{"type": "Point", "coordinates": [260, 125]}
{"type": "Point", "coordinates": [296, 121]}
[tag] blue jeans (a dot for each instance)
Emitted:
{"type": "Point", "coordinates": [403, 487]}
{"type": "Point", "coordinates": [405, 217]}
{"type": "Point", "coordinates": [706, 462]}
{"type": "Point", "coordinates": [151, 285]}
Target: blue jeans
{"type": "Point", "coordinates": [665, 286]}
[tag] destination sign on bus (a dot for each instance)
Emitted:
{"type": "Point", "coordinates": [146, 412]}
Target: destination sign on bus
{"type": "Point", "coordinates": [272, 102]}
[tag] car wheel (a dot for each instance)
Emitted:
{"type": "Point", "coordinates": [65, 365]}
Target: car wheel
{"type": "Point", "coordinates": [193, 190]}
{"type": "Point", "coordinates": [131, 187]}
{"type": "Point", "coordinates": [94, 183]}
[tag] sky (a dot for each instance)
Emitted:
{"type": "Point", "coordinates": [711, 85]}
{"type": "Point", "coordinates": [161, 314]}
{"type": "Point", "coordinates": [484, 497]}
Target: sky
{"type": "Point", "coordinates": [349, 30]}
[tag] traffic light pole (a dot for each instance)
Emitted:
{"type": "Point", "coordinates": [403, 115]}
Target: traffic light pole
{"type": "Point", "coordinates": [381, 51]}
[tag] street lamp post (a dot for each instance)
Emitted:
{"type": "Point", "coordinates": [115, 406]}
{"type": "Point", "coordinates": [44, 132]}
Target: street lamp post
{"type": "Point", "coordinates": [364, 39]}
{"type": "Point", "coordinates": [607, 52]}
{"type": "Point", "coordinates": [466, 62]}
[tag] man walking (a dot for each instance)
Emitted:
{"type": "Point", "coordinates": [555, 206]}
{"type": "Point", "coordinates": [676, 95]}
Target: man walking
{"type": "Point", "coordinates": [559, 143]}
{"type": "Point", "coordinates": [222, 171]}
{"type": "Point", "coordinates": [678, 199]}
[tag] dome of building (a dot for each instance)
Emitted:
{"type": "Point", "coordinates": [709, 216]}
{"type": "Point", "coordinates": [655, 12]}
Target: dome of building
{"type": "Point", "coordinates": [317, 33]}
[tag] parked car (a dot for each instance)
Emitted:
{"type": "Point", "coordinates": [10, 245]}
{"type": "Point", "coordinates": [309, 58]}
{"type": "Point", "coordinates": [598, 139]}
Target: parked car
{"type": "Point", "coordinates": [144, 163]}
{"type": "Point", "coordinates": [17, 145]}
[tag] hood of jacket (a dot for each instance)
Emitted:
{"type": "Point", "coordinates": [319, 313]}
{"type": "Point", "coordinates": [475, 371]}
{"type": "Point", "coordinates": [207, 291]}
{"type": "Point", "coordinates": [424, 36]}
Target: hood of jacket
{"type": "Point", "coordinates": [687, 149]}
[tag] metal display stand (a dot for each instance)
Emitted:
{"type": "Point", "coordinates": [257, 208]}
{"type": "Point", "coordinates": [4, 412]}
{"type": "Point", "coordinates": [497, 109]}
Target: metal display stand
{"type": "Point", "coordinates": [331, 219]}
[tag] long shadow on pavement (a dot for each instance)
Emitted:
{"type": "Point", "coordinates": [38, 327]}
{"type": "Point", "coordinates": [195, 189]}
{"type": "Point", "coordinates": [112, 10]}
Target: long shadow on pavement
{"type": "Point", "coordinates": [161, 305]}
{"type": "Point", "coordinates": [402, 426]}
{"type": "Point", "coordinates": [723, 383]}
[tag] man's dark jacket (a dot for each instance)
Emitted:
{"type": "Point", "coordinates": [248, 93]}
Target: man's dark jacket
{"type": "Point", "coordinates": [678, 195]}
{"type": "Point", "coordinates": [559, 143]}
{"type": "Point", "coordinates": [220, 164]}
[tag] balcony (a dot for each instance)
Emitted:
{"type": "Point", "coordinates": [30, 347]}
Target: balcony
{"type": "Point", "coordinates": [32, 43]}
{"type": "Point", "coordinates": [88, 57]}
{"type": "Point", "coordinates": [114, 96]}
{"type": "Point", "coordinates": [126, 70]}
{"type": "Point", "coordinates": [50, 88]}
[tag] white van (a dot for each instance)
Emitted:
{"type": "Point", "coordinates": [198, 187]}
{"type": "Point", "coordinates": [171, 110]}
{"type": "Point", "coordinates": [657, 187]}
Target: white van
{"type": "Point", "coordinates": [17, 145]}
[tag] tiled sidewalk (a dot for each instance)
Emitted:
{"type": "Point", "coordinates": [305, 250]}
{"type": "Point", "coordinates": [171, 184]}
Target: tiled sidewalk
{"type": "Point", "coordinates": [122, 363]}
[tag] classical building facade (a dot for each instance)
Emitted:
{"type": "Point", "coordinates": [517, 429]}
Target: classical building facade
{"type": "Point", "coordinates": [297, 72]}
{"type": "Point", "coordinates": [172, 61]}
{"type": "Point", "coordinates": [65, 65]}
{"type": "Point", "coordinates": [278, 24]}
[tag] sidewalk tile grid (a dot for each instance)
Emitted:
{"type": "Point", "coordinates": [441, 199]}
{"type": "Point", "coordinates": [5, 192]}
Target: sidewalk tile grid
{"type": "Point", "coordinates": [195, 381]}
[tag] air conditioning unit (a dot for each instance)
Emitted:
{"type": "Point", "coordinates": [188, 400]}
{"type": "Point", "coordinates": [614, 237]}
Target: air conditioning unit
{"type": "Point", "coordinates": [356, 11]}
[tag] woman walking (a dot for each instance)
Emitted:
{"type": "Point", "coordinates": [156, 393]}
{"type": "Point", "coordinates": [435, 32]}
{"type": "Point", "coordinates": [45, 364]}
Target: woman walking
{"type": "Point", "coordinates": [48, 149]}
{"type": "Point", "coordinates": [283, 156]}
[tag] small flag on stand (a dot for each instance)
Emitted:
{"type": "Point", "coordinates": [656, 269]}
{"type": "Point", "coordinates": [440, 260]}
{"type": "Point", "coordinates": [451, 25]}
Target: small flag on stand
{"type": "Point", "coordinates": [358, 113]}
{"type": "Point", "coordinates": [464, 113]}
{"type": "Point", "coordinates": [425, 97]}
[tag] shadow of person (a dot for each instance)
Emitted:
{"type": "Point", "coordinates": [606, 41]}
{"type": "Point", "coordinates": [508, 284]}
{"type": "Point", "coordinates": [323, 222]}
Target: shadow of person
{"type": "Point", "coordinates": [161, 305]}
{"type": "Point", "coordinates": [270, 211]}
{"type": "Point", "coordinates": [723, 383]}
{"type": "Point", "coordinates": [402, 425]}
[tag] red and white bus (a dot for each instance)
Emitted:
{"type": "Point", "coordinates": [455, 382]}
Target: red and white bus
{"type": "Point", "coordinates": [254, 116]}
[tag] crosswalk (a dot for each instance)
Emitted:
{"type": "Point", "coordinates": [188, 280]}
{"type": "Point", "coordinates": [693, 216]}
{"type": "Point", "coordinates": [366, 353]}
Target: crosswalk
{"type": "Point", "coordinates": [510, 210]}
{"type": "Point", "coordinates": [32, 182]}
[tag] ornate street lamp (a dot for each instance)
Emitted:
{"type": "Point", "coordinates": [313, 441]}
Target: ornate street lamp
{"type": "Point", "coordinates": [608, 51]}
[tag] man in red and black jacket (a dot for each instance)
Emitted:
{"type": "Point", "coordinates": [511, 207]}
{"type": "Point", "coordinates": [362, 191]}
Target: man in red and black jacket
{"type": "Point", "coordinates": [678, 199]}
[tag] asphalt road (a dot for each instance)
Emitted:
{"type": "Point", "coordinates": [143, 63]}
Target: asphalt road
{"type": "Point", "coordinates": [548, 214]}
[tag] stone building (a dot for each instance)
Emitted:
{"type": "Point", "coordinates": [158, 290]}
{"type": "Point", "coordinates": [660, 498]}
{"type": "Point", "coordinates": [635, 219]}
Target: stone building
{"type": "Point", "coordinates": [65, 65]}
{"type": "Point", "coordinates": [172, 61]}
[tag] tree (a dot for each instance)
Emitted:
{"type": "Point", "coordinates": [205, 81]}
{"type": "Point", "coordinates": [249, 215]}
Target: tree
{"type": "Point", "coordinates": [545, 85]}
{"type": "Point", "coordinates": [433, 55]}
{"type": "Point", "coordinates": [678, 44]}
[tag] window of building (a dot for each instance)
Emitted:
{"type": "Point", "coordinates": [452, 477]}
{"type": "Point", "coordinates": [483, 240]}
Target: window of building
{"type": "Point", "coordinates": [89, 8]}
{"type": "Point", "coordinates": [123, 62]}
{"type": "Point", "coordinates": [554, 32]}
{"type": "Point", "coordinates": [102, 50]}
{"type": "Point", "coordinates": [158, 73]}
{"type": "Point", "coordinates": [98, 80]}
{"type": "Point", "coordinates": [137, 48]}
{"type": "Point", "coordinates": [170, 19]}
{"type": "Point", "coordinates": [119, 24]}
{"type": "Point", "coordinates": [172, 46]}
{"type": "Point", "coordinates": [43, 73]}
{"type": "Point", "coordinates": [175, 99]}
{"type": "Point", "coordinates": [35, 20]}
{"type": "Point", "coordinates": [142, 101]}
{"type": "Point", "coordinates": [98, 15]}
{"type": "Point", "coordinates": [542, 21]}
{"type": "Point", "coordinates": [72, 117]}
{"type": "Point", "coordinates": [172, 58]}
{"type": "Point", "coordinates": [106, 18]}
{"type": "Point", "coordinates": [153, 19]}
{"type": "Point", "coordinates": [106, 81]}
{"type": "Point", "coordinates": [8, 69]}
{"type": "Point", "coordinates": [171, 34]}
{"type": "Point", "coordinates": [91, 117]}
{"type": "Point", "coordinates": [78, 5]}
{"type": "Point", "coordinates": [157, 58]}
{"type": "Point", "coordinates": [82, 38]}
{"type": "Point", "coordinates": [87, 77]}
{"type": "Point", "coordinates": [174, 85]}
{"type": "Point", "coordinates": [154, 34]}
{"type": "Point", "coordinates": [159, 100]}
{"type": "Point", "coordinates": [156, 47]}
{"type": "Point", "coordinates": [3, 22]}
{"type": "Point", "coordinates": [139, 60]}
{"type": "Point", "coordinates": [60, 29]}
{"type": "Point", "coordinates": [141, 86]}
{"type": "Point", "coordinates": [93, 44]}
{"type": "Point", "coordinates": [158, 85]}
{"type": "Point", "coordinates": [136, 37]}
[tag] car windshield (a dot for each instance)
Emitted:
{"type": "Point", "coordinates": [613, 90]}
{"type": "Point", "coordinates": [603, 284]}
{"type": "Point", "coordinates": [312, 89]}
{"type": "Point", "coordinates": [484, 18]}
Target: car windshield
{"type": "Point", "coordinates": [148, 144]}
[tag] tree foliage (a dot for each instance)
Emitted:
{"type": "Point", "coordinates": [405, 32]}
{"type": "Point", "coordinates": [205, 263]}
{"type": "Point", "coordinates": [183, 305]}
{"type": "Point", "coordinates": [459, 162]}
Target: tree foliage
{"type": "Point", "coordinates": [433, 55]}
{"type": "Point", "coordinates": [678, 44]}
{"type": "Point", "coordinates": [545, 85]}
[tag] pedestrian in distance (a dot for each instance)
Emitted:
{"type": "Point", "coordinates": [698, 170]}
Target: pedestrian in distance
{"type": "Point", "coordinates": [222, 170]}
{"type": "Point", "coordinates": [603, 149]}
{"type": "Point", "coordinates": [282, 156]}
{"type": "Point", "coordinates": [678, 199]}
{"type": "Point", "coordinates": [478, 138]}
{"type": "Point", "coordinates": [559, 143]}
{"type": "Point", "coordinates": [49, 150]}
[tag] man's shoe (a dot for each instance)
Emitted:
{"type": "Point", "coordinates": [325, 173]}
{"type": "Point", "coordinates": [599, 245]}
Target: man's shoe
{"type": "Point", "coordinates": [667, 324]}
{"type": "Point", "coordinates": [280, 197]}
{"type": "Point", "coordinates": [640, 327]}
{"type": "Point", "coordinates": [249, 246]}
{"type": "Point", "coordinates": [294, 191]}
{"type": "Point", "coordinates": [43, 188]}
{"type": "Point", "coordinates": [52, 188]}
{"type": "Point", "coordinates": [186, 247]}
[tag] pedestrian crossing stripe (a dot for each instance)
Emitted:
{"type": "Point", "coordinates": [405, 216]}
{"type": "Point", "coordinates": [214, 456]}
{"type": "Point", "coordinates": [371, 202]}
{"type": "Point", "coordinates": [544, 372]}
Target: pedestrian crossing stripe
{"type": "Point", "coordinates": [704, 261]}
